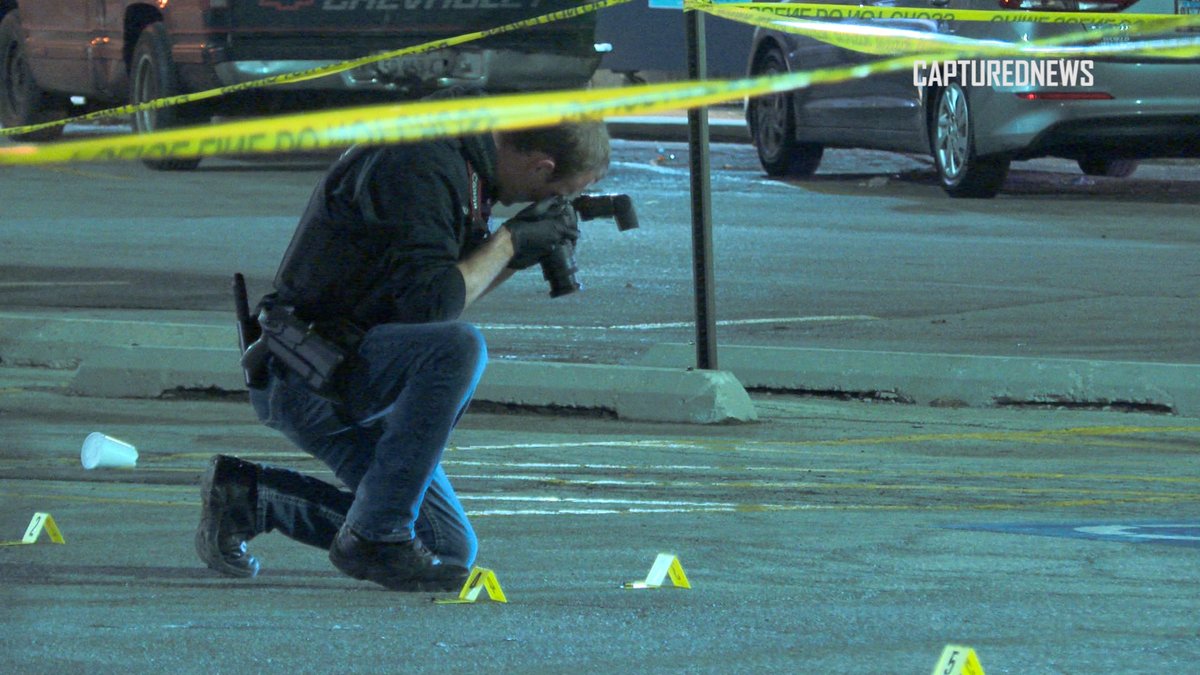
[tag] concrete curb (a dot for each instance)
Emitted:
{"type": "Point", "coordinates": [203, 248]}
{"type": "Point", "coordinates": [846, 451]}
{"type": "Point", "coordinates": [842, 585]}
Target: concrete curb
{"type": "Point", "coordinates": [631, 392]}
{"type": "Point", "coordinates": [140, 359]}
{"type": "Point", "coordinates": [953, 379]}
{"type": "Point", "coordinates": [148, 372]}
{"type": "Point", "coordinates": [675, 129]}
{"type": "Point", "coordinates": [635, 393]}
{"type": "Point", "coordinates": [58, 341]}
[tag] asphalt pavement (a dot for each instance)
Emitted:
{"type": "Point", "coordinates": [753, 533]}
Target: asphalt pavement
{"type": "Point", "coordinates": [94, 303]}
{"type": "Point", "coordinates": [826, 537]}
{"type": "Point", "coordinates": [818, 534]}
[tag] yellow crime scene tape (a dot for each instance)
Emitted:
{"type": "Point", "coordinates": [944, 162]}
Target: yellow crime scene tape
{"type": "Point", "coordinates": [883, 40]}
{"type": "Point", "coordinates": [824, 11]}
{"type": "Point", "coordinates": [427, 120]}
{"type": "Point", "coordinates": [424, 120]}
{"type": "Point", "coordinates": [322, 71]}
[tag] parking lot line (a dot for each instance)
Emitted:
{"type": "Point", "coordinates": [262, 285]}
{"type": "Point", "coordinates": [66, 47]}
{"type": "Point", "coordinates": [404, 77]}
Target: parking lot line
{"type": "Point", "coordinates": [682, 324]}
{"type": "Point", "coordinates": [1035, 436]}
{"type": "Point", "coordinates": [44, 284]}
{"type": "Point", "coordinates": [740, 507]}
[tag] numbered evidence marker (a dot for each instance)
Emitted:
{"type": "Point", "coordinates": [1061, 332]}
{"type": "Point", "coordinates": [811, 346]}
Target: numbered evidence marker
{"type": "Point", "coordinates": [40, 522]}
{"type": "Point", "coordinates": [480, 579]}
{"type": "Point", "coordinates": [958, 660]}
{"type": "Point", "coordinates": [665, 565]}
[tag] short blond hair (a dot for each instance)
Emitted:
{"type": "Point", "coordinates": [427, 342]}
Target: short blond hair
{"type": "Point", "coordinates": [576, 147]}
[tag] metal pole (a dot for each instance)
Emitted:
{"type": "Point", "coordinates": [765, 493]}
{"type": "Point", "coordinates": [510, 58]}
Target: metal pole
{"type": "Point", "coordinates": [702, 263]}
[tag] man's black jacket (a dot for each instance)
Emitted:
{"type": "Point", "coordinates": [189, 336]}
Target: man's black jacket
{"type": "Point", "coordinates": [383, 231]}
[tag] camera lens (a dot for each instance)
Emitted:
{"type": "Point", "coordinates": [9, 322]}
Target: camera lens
{"type": "Point", "coordinates": [559, 270]}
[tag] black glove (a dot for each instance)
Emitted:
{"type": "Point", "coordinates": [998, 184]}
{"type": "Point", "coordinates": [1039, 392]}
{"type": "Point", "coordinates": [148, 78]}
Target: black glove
{"type": "Point", "coordinates": [538, 228]}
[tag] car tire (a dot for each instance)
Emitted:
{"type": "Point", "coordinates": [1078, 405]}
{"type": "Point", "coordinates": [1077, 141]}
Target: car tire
{"type": "Point", "coordinates": [22, 101]}
{"type": "Point", "coordinates": [962, 173]}
{"type": "Point", "coordinates": [152, 75]}
{"type": "Point", "coordinates": [772, 122]}
{"type": "Point", "coordinates": [1112, 168]}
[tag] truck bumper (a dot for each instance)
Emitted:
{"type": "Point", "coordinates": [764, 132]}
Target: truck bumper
{"type": "Point", "coordinates": [493, 69]}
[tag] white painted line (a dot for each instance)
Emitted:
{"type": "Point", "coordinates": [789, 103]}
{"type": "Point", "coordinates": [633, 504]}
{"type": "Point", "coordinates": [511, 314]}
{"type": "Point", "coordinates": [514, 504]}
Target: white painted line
{"type": "Point", "coordinates": [654, 168]}
{"type": "Point", "coordinates": [549, 499]}
{"type": "Point", "coordinates": [40, 284]}
{"type": "Point", "coordinates": [589, 512]}
{"type": "Point", "coordinates": [748, 322]}
{"type": "Point", "coordinates": [683, 324]}
{"type": "Point", "coordinates": [669, 445]}
{"type": "Point", "coordinates": [482, 326]}
{"type": "Point", "coordinates": [602, 467]}
{"type": "Point", "coordinates": [702, 509]}
{"type": "Point", "coordinates": [1131, 531]}
{"type": "Point", "coordinates": [561, 481]}
{"type": "Point", "coordinates": [47, 317]}
{"type": "Point", "coordinates": [525, 326]}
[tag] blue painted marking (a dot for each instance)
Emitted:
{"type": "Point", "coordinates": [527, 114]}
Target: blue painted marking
{"type": "Point", "coordinates": [1173, 533]}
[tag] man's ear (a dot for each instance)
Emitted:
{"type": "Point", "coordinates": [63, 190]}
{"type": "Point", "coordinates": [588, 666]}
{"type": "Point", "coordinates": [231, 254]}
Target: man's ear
{"type": "Point", "coordinates": [544, 166]}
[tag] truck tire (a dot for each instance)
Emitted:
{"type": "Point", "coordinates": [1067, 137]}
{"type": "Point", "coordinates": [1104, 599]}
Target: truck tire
{"type": "Point", "coordinates": [152, 75]}
{"type": "Point", "coordinates": [22, 101]}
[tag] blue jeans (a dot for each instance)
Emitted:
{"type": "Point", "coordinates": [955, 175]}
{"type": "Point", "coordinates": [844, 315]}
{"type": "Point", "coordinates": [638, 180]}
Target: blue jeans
{"type": "Point", "coordinates": [402, 398]}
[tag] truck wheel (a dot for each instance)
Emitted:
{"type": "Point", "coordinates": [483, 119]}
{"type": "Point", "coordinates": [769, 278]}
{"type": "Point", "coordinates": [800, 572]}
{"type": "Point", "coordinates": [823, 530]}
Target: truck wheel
{"type": "Point", "coordinates": [152, 75]}
{"type": "Point", "coordinates": [22, 101]}
{"type": "Point", "coordinates": [773, 127]}
{"type": "Point", "coordinates": [962, 173]}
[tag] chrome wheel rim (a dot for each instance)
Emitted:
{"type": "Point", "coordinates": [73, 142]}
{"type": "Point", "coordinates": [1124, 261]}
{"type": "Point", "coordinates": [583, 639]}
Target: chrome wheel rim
{"type": "Point", "coordinates": [770, 119]}
{"type": "Point", "coordinates": [953, 132]}
{"type": "Point", "coordinates": [145, 88]}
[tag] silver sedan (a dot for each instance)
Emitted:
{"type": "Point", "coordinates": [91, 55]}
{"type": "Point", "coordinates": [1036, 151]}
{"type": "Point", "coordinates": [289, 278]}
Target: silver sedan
{"type": "Point", "coordinates": [975, 118]}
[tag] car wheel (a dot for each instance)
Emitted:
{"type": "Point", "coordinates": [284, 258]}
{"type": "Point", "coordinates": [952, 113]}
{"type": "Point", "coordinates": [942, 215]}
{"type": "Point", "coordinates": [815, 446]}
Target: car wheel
{"type": "Point", "coordinates": [152, 75]}
{"type": "Point", "coordinates": [962, 173]}
{"type": "Point", "coordinates": [1113, 168]}
{"type": "Point", "coordinates": [773, 127]}
{"type": "Point", "coordinates": [22, 102]}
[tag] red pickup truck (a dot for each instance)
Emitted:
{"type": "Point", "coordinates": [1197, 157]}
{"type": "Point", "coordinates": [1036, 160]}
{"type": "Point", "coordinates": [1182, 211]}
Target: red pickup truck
{"type": "Point", "coordinates": [60, 57]}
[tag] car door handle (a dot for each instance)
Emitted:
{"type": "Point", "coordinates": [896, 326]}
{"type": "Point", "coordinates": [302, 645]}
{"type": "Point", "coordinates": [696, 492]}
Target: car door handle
{"type": "Point", "coordinates": [939, 3]}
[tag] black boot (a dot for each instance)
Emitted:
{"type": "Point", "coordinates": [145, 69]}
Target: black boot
{"type": "Point", "coordinates": [397, 566]}
{"type": "Point", "coordinates": [228, 515]}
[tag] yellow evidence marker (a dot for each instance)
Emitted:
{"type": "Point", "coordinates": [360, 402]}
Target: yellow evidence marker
{"type": "Point", "coordinates": [665, 565]}
{"type": "Point", "coordinates": [480, 579]}
{"type": "Point", "coordinates": [41, 521]}
{"type": "Point", "coordinates": [958, 660]}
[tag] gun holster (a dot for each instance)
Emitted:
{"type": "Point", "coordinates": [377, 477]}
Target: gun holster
{"type": "Point", "coordinates": [315, 352]}
{"type": "Point", "coordinates": [254, 364]}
